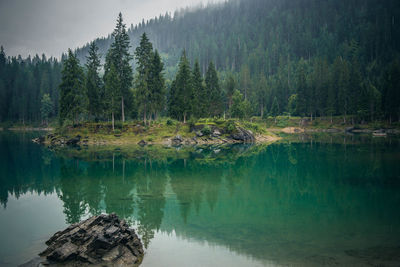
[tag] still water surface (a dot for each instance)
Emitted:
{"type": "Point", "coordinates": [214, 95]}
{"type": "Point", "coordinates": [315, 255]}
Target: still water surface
{"type": "Point", "coordinates": [324, 201]}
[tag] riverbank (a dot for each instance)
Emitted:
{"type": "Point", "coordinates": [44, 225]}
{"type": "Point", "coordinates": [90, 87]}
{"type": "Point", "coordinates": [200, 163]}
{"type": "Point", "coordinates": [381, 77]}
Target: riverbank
{"type": "Point", "coordinates": [166, 131]}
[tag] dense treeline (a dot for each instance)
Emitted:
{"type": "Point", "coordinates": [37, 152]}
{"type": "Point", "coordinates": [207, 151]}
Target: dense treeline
{"type": "Point", "coordinates": [251, 58]}
{"type": "Point", "coordinates": [346, 51]}
{"type": "Point", "coordinates": [28, 88]}
{"type": "Point", "coordinates": [92, 97]}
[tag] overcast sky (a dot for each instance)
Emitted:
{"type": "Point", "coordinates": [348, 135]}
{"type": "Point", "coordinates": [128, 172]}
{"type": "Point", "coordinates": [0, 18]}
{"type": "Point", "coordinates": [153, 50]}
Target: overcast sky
{"type": "Point", "coordinates": [53, 26]}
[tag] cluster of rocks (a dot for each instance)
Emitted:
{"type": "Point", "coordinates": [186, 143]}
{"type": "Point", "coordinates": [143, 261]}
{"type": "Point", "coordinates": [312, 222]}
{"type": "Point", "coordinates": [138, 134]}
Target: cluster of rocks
{"type": "Point", "coordinates": [102, 240]}
{"type": "Point", "coordinates": [213, 134]}
{"type": "Point", "coordinates": [54, 140]}
{"type": "Point", "coordinates": [39, 140]}
{"type": "Point", "coordinates": [243, 135]}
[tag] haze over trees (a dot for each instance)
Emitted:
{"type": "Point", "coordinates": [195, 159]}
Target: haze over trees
{"type": "Point", "coordinates": [297, 58]}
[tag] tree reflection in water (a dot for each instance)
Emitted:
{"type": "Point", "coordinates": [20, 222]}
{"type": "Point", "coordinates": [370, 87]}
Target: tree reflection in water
{"type": "Point", "coordinates": [280, 202]}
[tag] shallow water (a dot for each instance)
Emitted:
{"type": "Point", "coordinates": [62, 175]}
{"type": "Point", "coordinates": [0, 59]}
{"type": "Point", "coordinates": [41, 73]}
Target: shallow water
{"type": "Point", "coordinates": [311, 201]}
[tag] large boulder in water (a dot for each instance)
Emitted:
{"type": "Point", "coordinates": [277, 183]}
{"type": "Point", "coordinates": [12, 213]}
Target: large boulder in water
{"type": "Point", "coordinates": [102, 240]}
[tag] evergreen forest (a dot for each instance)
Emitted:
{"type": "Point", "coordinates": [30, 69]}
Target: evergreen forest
{"type": "Point", "coordinates": [234, 59]}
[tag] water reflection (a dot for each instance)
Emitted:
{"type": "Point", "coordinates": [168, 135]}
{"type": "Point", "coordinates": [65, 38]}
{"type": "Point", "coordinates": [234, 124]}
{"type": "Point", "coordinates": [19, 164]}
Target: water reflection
{"type": "Point", "coordinates": [315, 201]}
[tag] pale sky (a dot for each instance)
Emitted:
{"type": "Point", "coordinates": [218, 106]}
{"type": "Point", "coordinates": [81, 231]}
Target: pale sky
{"type": "Point", "coordinates": [53, 26]}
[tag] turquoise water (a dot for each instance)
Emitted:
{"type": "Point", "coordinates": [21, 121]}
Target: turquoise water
{"type": "Point", "coordinates": [330, 200]}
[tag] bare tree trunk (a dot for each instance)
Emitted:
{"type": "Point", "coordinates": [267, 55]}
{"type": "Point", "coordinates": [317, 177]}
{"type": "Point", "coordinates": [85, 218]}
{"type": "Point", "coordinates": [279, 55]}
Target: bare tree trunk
{"type": "Point", "coordinates": [112, 120]}
{"type": "Point", "coordinates": [184, 117]}
{"type": "Point", "coordinates": [144, 114]}
{"type": "Point", "coordinates": [262, 111]}
{"type": "Point", "coordinates": [123, 109]}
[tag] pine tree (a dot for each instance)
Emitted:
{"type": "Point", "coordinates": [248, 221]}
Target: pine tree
{"type": "Point", "coordinates": [200, 94]}
{"type": "Point", "coordinates": [213, 90]}
{"type": "Point", "coordinates": [181, 95]}
{"type": "Point", "coordinates": [156, 84]}
{"type": "Point", "coordinates": [262, 94]}
{"type": "Point", "coordinates": [94, 87]}
{"type": "Point", "coordinates": [275, 108]}
{"type": "Point", "coordinates": [391, 93]}
{"type": "Point", "coordinates": [112, 91]}
{"type": "Point", "coordinates": [237, 108]}
{"type": "Point", "coordinates": [292, 103]}
{"type": "Point", "coordinates": [230, 89]}
{"type": "Point", "coordinates": [118, 55]}
{"type": "Point", "coordinates": [46, 108]}
{"type": "Point", "coordinates": [301, 89]}
{"type": "Point", "coordinates": [356, 93]}
{"type": "Point", "coordinates": [144, 56]}
{"type": "Point", "coordinates": [245, 80]}
{"type": "Point", "coordinates": [343, 84]}
{"type": "Point", "coordinates": [332, 94]}
{"type": "Point", "coordinates": [72, 93]}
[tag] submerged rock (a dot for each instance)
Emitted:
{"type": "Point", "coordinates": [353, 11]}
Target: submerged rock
{"type": "Point", "coordinates": [102, 240]}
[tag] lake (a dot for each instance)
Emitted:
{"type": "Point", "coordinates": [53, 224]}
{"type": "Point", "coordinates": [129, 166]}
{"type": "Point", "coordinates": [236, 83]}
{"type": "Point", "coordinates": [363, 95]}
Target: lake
{"type": "Point", "coordinates": [305, 201]}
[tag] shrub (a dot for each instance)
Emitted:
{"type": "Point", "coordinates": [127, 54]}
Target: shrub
{"type": "Point", "coordinates": [206, 130]}
{"type": "Point", "coordinates": [252, 126]}
{"type": "Point", "coordinates": [192, 122]}
{"type": "Point", "coordinates": [118, 124]}
{"type": "Point", "coordinates": [170, 122]}
{"type": "Point", "coordinates": [230, 126]}
{"type": "Point", "coordinates": [219, 121]}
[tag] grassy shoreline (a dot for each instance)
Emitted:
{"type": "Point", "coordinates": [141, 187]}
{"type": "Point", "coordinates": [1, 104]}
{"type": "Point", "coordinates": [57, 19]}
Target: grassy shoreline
{"type": "Point", "coordinates": [202, 131]}
{"type": "Point", "coordinates": [164, 131]}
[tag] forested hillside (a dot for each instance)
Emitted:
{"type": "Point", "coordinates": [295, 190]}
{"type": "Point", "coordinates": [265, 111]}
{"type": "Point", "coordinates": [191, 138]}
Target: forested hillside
{"type": "Point", "coordinates": [302, 57]}
{"type": "Point", "coordinates": [28, 88]}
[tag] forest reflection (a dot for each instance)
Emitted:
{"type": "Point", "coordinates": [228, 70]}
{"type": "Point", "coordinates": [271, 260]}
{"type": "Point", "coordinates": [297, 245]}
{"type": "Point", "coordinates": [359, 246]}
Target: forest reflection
{"type": "Point", "coordinates": [252, 199]}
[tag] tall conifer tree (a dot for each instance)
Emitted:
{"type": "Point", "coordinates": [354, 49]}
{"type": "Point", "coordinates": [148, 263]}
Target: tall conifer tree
{"type": "Point", "coordinates": [72, 94]}
{"type": "Point", "coordinates": [199, 92]}
{"type": "Point", "coordinates": [156, 85]}
{"type": "Point", "coordinates": [94, 86]}
{"type": "Point", "coordinates": [118, 55]}
{"type": "Point", "coordinates": [213, 91]}
{"type": "Point", "coordinates": [181, 95]}
{"type": "Point", "coordinates": [112, 91]}
{"type": "Point", "coordinates": [144, 56]}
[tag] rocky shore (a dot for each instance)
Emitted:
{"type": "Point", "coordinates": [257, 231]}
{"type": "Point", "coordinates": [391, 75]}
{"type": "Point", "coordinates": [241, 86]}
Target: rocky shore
{"type": "Point", "coordinates": [198, 135]}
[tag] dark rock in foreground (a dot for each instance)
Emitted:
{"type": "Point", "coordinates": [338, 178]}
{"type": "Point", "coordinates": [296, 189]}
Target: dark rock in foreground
{"type": "Point", "coordinates": [102, 240]}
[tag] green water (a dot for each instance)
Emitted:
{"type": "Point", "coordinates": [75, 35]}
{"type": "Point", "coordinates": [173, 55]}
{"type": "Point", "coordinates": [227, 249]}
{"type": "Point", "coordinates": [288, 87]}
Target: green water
{"type": "Point", "coordinates": [330, 200]}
